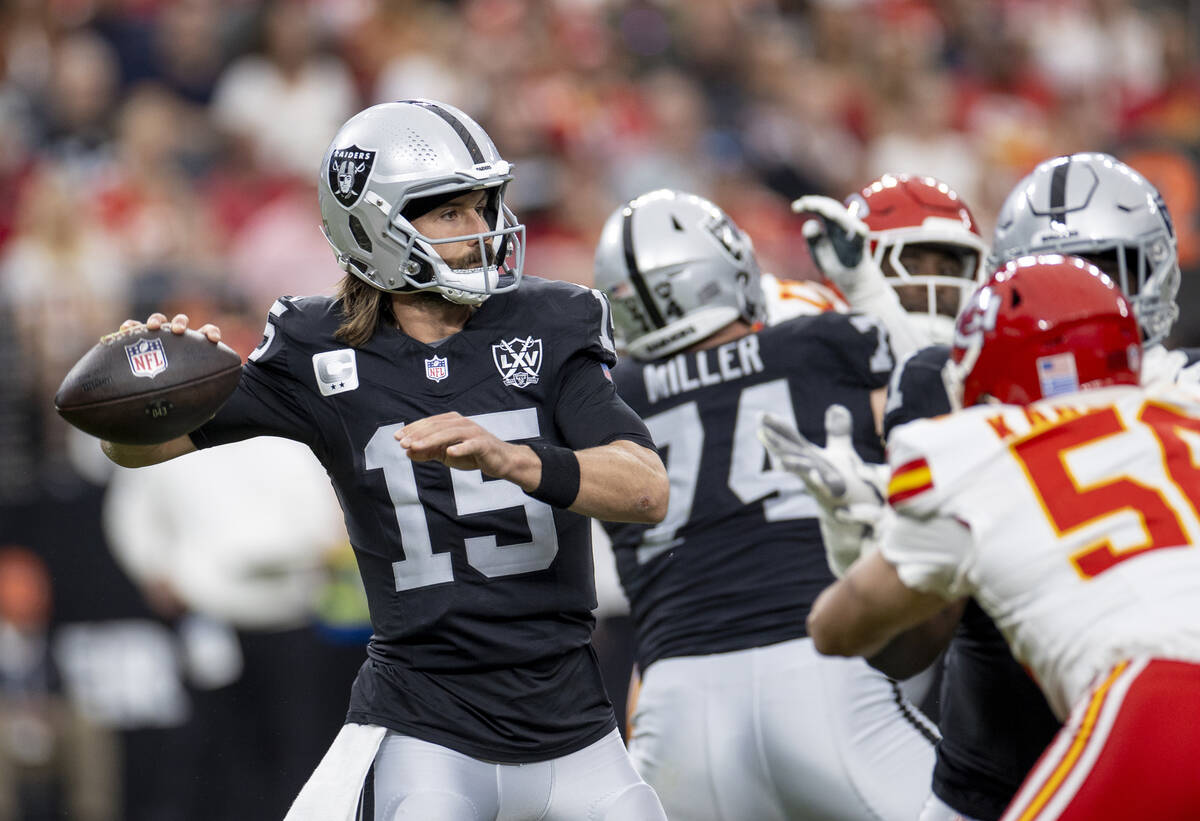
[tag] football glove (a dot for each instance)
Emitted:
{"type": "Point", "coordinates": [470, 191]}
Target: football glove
{"type": "Point", "coordinates": [837, 241]}
{"type": "Point", "coordinates": [850, 493]}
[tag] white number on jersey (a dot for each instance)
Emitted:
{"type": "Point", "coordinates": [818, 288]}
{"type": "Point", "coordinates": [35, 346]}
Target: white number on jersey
{"type": "Point", "coordinates": [680, 431]}
{"type": "Point", "coordinates": [420, 566]}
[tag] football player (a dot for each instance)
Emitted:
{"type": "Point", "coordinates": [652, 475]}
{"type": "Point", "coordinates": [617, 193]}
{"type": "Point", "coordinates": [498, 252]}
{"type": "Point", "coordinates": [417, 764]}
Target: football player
{"type": "Point", "coordinates": [1064, 499]}
{"type": "Point", "coordinates": [994, 721]}
{"type": "Point", "coordinates": [733, 696]}
{"type": "Point", "coordinates": [918, 233]}
{"type": "Point", "coordinates": [469, 427]}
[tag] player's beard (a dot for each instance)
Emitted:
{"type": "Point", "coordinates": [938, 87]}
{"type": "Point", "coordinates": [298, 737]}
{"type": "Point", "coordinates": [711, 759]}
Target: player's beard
{"type": "Point", "coordinates": [472, 259]}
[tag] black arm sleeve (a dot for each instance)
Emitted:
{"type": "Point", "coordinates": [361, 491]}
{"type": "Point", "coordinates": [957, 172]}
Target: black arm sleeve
{"type": "Point", "coordinates": [589, 412]}
{"type": "Point", "coordinates": [916, 390]}
{"type": "Point", "coordinates": [264, 404]}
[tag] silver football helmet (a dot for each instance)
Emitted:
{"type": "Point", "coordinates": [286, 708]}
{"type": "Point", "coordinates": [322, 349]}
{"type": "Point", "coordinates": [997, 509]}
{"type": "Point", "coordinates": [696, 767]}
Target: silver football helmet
{"type": "Point", "coordinates": [676, 270]}
{"type": "Point", "coordinates": [392, 155]}
{"type": "Point", "coordinates": [1095, 206]}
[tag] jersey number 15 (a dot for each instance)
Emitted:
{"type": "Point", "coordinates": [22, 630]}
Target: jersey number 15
{"type": "Point", "coordinates": [420, 566]}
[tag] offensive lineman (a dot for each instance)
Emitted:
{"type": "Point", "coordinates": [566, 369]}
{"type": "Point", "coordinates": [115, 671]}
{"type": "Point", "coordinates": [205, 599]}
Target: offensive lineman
{"type": "Point", "coordinates": [469, 428]}
{"type": "Point", "coordinates": [733, 697]}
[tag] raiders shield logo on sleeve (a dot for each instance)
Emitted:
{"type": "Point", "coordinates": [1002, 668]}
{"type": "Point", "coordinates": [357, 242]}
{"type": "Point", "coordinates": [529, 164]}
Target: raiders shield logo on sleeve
{"type": "Point", "coordinates": [348, 172]}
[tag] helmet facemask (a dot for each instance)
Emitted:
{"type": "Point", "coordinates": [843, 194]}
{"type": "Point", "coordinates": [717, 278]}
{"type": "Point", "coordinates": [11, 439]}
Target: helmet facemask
{"type": "Point", "coordinates": [931, 301]}
{"type": "Point", "coordinates": [1096, 207]}
{"type": "Point", "coordinates": [904, 212]}
{"type": "Point", "coordinates": [419, 266]}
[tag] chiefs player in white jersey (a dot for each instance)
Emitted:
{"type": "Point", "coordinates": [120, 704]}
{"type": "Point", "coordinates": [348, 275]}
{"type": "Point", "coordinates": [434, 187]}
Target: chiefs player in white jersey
{"type": "Point", "coordinates": [1065, 499]}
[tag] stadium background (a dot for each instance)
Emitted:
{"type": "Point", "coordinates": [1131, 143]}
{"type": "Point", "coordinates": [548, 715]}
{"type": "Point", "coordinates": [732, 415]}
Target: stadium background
{"type": "Point", "coordinates": [163, 155]}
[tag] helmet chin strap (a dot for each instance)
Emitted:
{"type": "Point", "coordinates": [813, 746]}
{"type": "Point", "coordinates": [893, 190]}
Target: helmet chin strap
{"type": "Point", "coordinates": [954, 374]}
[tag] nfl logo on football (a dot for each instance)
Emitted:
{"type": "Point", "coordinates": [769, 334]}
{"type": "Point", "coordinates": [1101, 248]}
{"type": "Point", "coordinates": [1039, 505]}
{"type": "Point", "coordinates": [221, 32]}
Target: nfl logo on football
{"type": "Point", "coordinates": [437, 368]}
{"type": "Point", "coordinates": [146, 357]}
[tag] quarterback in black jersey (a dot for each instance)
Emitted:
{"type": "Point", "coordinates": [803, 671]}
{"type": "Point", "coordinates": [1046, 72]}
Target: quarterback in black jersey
{"type": "Point", "coordinates": [732, 693]}
{"type": "Point", "coordinates": [469, 428]}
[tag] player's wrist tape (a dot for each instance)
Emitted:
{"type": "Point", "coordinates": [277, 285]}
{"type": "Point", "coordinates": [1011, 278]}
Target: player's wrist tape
{"type": "Point", "coordinates": [560, 475]}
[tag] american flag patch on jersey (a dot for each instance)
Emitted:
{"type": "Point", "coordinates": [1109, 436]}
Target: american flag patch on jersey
{"type": "Point", "coordinates": [908, 480]}
{"type": "Point", "coordinates": [1057, 375]}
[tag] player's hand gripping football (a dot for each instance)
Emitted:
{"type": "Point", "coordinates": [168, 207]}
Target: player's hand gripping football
{"type": "Point", "coordinates": [850, 492]}
{"type": "Point", "coordinates": [177, 325]}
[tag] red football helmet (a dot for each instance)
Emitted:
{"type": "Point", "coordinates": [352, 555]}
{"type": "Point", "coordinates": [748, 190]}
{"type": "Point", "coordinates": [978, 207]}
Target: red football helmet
{"type": "Point", "coordinates": [1043, 326]}
{"type": "Point", "coordinates": [926, 242]}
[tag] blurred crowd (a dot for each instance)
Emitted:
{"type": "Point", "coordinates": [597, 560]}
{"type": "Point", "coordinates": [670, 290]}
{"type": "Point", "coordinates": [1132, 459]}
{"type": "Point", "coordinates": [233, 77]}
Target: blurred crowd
{"type": "Point", "coordinates": [163, 154]}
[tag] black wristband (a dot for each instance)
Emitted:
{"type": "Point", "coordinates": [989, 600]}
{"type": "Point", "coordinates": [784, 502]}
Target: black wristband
{"type": "Point", "coordinates": [560, 475]}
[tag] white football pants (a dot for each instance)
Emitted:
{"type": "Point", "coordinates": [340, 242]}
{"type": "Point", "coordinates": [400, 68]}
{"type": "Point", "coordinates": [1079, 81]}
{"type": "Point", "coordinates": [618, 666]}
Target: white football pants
{"type": "Point", "coordinates": [777, 733]}
{"type": "Point", "coordinates": [426, 782]}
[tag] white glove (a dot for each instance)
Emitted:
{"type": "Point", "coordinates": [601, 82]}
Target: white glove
{"type": "Point", "coordinates": [1163, 367]}
{"type": "Point", "coordinates": [849, 492]}
{"type": "Point", "coordinates": [838, 242]}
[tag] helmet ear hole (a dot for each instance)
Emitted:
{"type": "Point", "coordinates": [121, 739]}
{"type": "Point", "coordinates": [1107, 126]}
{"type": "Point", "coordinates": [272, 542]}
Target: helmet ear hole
{"type": "Point", "coordinates": [359, 233]}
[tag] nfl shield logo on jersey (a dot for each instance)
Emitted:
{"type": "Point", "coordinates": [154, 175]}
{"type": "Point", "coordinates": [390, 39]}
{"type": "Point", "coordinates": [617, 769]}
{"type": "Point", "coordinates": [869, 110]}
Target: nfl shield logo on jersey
{"type": "Point", "coordinates": [437, 368]}
{"type": "Point", "coordinates": [518, 361]}
{"type": "Point", "coordinates": [146, 357]}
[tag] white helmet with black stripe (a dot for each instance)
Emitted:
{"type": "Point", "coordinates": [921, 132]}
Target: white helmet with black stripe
{"type": "Point", "coordinates": [1094, 206]}
{"type": "Point", "coordinates": [676, 270]}
{"type": "Point", "coordinates": [387, 165]}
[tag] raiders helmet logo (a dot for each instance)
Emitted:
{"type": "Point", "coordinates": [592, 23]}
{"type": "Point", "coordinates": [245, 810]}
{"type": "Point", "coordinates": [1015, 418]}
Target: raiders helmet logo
{"type": "Point", "coordinates": [348, 171]}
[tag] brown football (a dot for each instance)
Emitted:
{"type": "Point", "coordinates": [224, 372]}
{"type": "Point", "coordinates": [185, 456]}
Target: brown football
{"type": "Point", "coordinates": [143, 387]}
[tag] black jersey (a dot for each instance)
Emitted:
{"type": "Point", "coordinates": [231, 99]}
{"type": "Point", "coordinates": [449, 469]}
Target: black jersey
{"type": "Point", "coordinates": [994, 720]}
{"type": "Point", "coordinates": [480, 596]}
{"type": "Point", "coordinates": [738, 560]}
